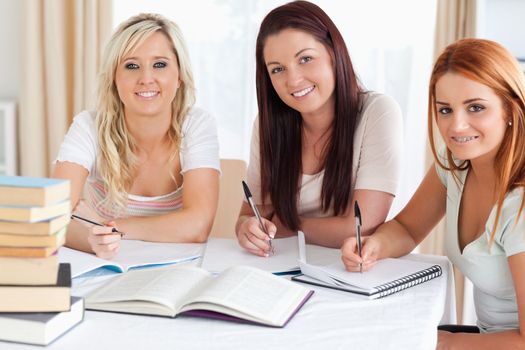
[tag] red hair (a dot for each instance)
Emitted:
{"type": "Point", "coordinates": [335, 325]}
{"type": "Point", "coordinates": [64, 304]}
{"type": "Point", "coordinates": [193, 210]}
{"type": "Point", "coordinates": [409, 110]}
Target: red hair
{"type": "Point", "coordinates": [490, 64]}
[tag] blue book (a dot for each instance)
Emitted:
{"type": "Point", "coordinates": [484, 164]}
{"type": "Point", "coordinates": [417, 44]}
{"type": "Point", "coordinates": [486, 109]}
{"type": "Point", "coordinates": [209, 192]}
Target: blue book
{"type": "Point", "coordinates": [32, 191]}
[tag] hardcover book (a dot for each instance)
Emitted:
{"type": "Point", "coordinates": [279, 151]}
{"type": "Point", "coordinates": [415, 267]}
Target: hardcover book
{"type": "Point", "coordinates": [28, 252]}
{"type": "Point", "coordinates": [38, 298]}
{"type": "Point", "coordinates": [32, 191]}
{"type": "Point", "coordinates": [41, 228]}
{"type": "Point", "coordinates": [34, 214]}
{"type": "Point", "coordinates": [56, 240]}
{"type": "Point", "coordinates": [40, 328]}
{"type": "Point", "coordinates": [28, 271]}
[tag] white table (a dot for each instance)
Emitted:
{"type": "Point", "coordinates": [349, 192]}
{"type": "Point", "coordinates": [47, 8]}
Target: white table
{"type": "Point", "coordinates": [329, 320]}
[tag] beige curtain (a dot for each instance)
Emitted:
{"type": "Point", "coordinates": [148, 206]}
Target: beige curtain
{"type": "Point", "coordinates": [61, 49]}
{"type": "Point", "coordinates": [456, 19]}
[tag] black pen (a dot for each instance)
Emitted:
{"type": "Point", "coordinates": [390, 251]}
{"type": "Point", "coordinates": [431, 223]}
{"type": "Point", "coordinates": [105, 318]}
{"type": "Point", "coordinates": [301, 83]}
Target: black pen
{"type": "Point", "coordinates": [73, 216]}
{"type": "Point", "coordinates": [358, 223]}
{"type": "Point", "coordinates": [249, 198]}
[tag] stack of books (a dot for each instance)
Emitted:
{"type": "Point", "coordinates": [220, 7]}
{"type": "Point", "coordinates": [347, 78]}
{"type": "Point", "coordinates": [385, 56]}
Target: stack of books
{"type": "Point", "coordinates": [34, 214]}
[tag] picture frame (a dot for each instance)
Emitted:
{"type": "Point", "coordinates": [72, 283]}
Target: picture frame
{"type": "Point", "coordinates": [8, 138]}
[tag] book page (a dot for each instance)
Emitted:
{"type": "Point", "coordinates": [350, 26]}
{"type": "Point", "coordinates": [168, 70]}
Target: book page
{"type": "Point", "coordinates": [135, 253]}
{"type": "Point", "coordinates": [82, 262]}
{"type": "Point", "coordinates": [166, 286]}
{"type": "Point", "coordinates": [251, 292]}
{"type": "Point", "coordinates": [222, 253]}
{"type": "Point", "coordinates": [132, 253]}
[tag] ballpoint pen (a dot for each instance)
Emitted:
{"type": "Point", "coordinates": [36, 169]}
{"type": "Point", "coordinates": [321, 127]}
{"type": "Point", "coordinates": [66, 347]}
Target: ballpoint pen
{"type": "Point", "coordinates": [73, 216]}
{"type": "Point", "coordinates": [358, 223]}
{"type": "Point", "coordinates": [249, 198]}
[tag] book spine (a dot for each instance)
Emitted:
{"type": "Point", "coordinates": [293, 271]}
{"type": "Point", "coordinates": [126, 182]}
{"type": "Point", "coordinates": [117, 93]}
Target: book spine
{"type": "Point", "coordinates": [408, 281]}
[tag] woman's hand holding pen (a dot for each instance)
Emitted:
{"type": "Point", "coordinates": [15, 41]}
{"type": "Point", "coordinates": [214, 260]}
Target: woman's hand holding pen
{"type": "Point", "coordinates": [252, 238]}
{"type": "Point", "coordinates": [104, 242]}
{"type": "Point", "coordinates": [350, 255]}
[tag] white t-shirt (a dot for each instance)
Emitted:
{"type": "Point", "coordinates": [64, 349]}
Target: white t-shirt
{"type": "Point", "coordinates": [487, 268]}
{"type": "Point", "coordinates": [378, 141]}
{"type": "Point", "coordinates": [199, 149]}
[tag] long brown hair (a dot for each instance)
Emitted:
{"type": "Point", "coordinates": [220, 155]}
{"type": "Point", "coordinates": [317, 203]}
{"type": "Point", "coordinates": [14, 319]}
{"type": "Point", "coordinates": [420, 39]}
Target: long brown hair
{"type": "Point", "coordinates": [490, 64]}
{"type": "Point", "coordinates": [280, 126]}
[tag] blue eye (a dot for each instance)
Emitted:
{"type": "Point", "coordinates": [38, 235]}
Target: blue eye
{"type": "Point", "coordinates": [444, 110]}
{"type": "Point", "coordinates": [132, 66]}
{"type": "Point", "coordinates": [476, 108]}
{"type": "Point", "coordinates": [160, 65]}
{"type": "Point", "coordinates": [276, 70]}
{"type": "Point", "coordinates": [305, 59]}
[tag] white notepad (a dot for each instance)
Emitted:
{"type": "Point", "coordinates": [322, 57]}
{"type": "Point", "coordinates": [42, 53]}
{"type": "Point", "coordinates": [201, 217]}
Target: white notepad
{"type": "Point", "coordinates": [388, 276]}
{"type": "Point", "coordinates": [222, 253]}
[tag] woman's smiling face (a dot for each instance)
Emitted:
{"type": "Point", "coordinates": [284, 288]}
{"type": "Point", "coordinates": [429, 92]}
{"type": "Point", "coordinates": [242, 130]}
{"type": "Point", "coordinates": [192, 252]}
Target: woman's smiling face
{"type": "Point", "coordinates": [148, 78]}
{"type": "Point", "coordinates": [470, 117]}
{"type": "Point", "coordinates": [301, 71]}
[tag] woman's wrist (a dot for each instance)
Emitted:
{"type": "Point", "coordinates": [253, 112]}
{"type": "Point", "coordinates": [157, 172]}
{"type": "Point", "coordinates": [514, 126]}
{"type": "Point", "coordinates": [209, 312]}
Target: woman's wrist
{"type": "Point", "coordinates": [240, 221]}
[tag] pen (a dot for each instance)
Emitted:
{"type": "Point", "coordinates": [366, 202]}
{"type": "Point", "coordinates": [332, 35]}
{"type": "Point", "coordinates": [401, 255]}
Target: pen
{"type": "Point", "coordinates": [73, 216]}
{"type": "Point", "coordinates": [358, 223]}
{"type": "Point", "coordinates": [249, 198]}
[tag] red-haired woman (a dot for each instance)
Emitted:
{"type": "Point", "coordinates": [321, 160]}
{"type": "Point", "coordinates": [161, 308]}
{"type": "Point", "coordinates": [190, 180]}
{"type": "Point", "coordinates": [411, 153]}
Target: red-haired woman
{"type": "Point", "coordinates": [320, 141]}
{"type": "Point", "coordinates": [477, 98]}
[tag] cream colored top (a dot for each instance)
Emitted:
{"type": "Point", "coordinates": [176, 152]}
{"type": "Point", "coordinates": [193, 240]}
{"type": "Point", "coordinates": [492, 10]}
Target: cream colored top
{"type": "Point", "coordinates": [487, 268]}
{"type": "Point", "coordinates": [376, 164]}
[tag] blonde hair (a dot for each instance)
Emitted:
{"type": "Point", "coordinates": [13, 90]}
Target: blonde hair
{"type": "Point", "coordinates": [490, 64]}
{"type": "Point", "coordinates": [116, 159]}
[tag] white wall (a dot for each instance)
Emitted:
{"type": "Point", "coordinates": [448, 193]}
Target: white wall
{"type": "Point", "coordinates": [10, 18]}
{"type": "Point", "coordinates": [502, 21]}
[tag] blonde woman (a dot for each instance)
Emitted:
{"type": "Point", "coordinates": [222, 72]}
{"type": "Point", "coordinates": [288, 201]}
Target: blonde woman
{"type": "Point", "coordinates": [145, 142]}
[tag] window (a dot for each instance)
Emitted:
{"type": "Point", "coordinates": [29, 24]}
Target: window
{"type": "Point", "coordinates": [390, 47]}
{"type": "Point", "coordinates": [7, 138]}
{"type": "Point", "coordinates": [501, 21]}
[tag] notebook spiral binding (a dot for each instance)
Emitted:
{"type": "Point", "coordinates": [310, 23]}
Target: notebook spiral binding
{"type": "Point", "coordinates": [409, 281]}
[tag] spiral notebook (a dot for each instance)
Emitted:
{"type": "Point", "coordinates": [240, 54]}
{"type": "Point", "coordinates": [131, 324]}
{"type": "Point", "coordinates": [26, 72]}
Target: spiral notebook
{"type": "Point", "coordinates": [388, 276]}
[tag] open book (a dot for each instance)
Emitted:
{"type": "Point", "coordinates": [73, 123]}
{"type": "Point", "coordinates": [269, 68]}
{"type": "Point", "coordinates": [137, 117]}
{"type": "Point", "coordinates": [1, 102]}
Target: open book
{"type": "Point", "coordinates": [132, 254]}
{"type": "Point", "coordinates": [388, 276]}
{"type": "Point", "coordinates": [240, 293]}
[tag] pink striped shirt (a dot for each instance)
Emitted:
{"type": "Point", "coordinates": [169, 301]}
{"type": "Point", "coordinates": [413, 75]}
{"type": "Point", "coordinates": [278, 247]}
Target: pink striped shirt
{"type": "Point", "coordinates": [199, 149]}
{"type": "Point", "coordinates": [137, 205]}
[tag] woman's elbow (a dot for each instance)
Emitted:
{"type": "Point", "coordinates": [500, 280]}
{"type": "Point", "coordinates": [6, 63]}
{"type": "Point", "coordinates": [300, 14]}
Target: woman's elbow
{"type": "Point", "coordinates": [371, 229]}
{"type": "Point", "coordinates": [202, 230]}
{"type": "Point", "coordinates": [521, 343]}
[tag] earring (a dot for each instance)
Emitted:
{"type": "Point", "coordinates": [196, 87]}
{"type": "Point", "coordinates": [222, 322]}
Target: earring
{"type": "Point", "coordinates": [510, 123]}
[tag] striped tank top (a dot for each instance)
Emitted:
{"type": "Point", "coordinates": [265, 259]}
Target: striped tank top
{"type": "Point", "coordinates": [137, 205]}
